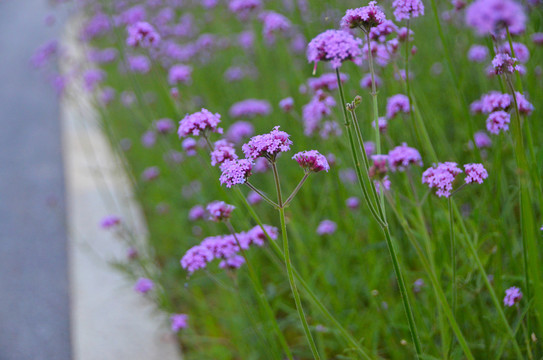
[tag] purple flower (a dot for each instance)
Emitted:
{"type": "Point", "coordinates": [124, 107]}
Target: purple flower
{"type": "Point", "coordinates": [178, 321]}
{"type": "Point", "coordinates": [379, 167]}
{"type": "Point", "coordinates": [475, 173]}
{"type": "Point", "coordinates": [441, 177]}
{"type": "Point", "coordinates": [196, 258]}
{"type": "Point", "coordinates": [253, 198]}
{"type": "Point", "coordinates": [244, 8]}
{"type": "Point", "coordinates": [222, 246]}
{"type": "Point", "coordinates": [233, 262]}
{"type": "Point", "coordinates": [335, 46]}
{"type": "Point", "coordinates": [482, 140]}
{"type": "Point", "coordinates": [477, 53]}
{"type": "Point", "coordinates": [537, 38]}
{"type": "Point", "coordinates": [312, 161]}
{"type": "Point", "coordinates": [494, 101]}
{"type": "Point", "coordinates": [312, 113]}
{"type": "Point", "coordinates": [196, 212]}
{"type": "Point", "coordinates": [142, 34]}
{"type": "Point", "coordinates": [235, 172]}
{"type": "Point", "coordinates": [44, 53]}
{"type": "Point", "coordinates": [150, 173]}
{"type": "Point", "coordinates": [267, 145]}
{"type": "Point", "coordinates": [491, 16]}
{"type": "Point", "coordinates": [397, 103]}
{"type": "Point", "coordinates": [197, 122]}
{"type": "Point", "coordinates": [326, 81]}
{"type": "Point", "coordinates": [286, 104]}
{"type": "Point", "coordinates": [92, 77]}
{"type": "Point", "coordinates": [366, 81]}
{"type": "Point", "coordinates": [219, 210]}
{"type": "Point", "coordinates": [407, 9]}
{"type": "Point", "coordinates": [144, 285]}
{"type": "Point", "coordinates": [381, 31]}
{"type": "Point", "coordinates": [513, 295]}
{"type": "Point", "coordinates": [383, 124]}
{"type": "Point", "coordinates": [250, 108]}
{"type": "Point", "coordinates": [326, 227]}
{"type": "Point", "coordinates": [246, 39]}
{"type": "Point", "coordinates": [223, 150]}
{"type": "Point", "coordinates": [524, 106]}
{"type": "Point", "coordinates": [504, 64]}
{"type": "Point", "coordinates": [164, 126]}
{"type": "Point", "coordinates": [110, 221]}
{"type": "Point", "coordinates": [417, 285]}
{"type": "Point", "coordinates": [498, 121]}
{"type": "Point", "coordinates": [179, 74]}
{"type": "Point", "coordinates": [234, 73]}
{"type": "Point", "coordinates": [521, 51]}
{"type": "Point", "coordinates": [261, 165]}
{"type": "Point", "coordinates": [273, 23]}
{"type": "Point", "coordinates": [189, 145]}
{"type": "Point", "coordinates": [385, 184]}
{"type": "Point", "coordinates": [402, 156]}
{"type": "Point", "coordinates": [239, 130]}
{"type": "Point", "coordinates": [139, 64]}
{"type": "Point", "coordinates": [330, 128]}
{"type": "Point", "coordinates": [353, 203]}
{"type": "Point", "coordinates": [364, 17]}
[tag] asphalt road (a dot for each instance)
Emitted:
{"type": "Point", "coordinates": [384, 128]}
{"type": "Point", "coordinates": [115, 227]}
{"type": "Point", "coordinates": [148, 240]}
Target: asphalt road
{"type": "Point", "coordinates": [34, 293]}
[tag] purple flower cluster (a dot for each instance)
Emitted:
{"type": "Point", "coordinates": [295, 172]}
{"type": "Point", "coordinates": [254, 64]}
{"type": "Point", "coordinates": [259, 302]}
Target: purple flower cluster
{"type": "Point", "coordinates": [196, 212]}
{"type": "Point", "coordinates": [178, 322]}
{"type": "Point", "coordinates": [396, 104]}
{"type": "Point", "coordinates": [286, 104]}
{"type": "Point", "coordinates": [151, 173]}
{"type": "Point", "coordinates": [164, 126]}
{"type": "Point", "coordinates": [482, 140]}
{"type": "Point", "coordinates": [223, 150]}
{"type": "Point", "coordinates": [235, 172]}
{"type": "Point", "coordinates": [139, 64]}
{"type": "Point", "coordinates": [312, 161]}
{"type": "Point", "coordinates": [273, 23]}
{"type": "Point", "coordinates": [313, 112]}
{"type": "Point", "coordinates": [250, 108]}
{"type": "Point", "coordinates": [478, 53]}
{"type": "Point", "coordinates": [219, 211]}
{"type": "Point", "coordinates": [267, 145]}
{"type": "Point", "coordinates": [326, 227]}
{"type": "Point", "coordinates": [225, 247]}
{"type": "Point", "coordinates": [366, 81]}
{"type": "Point", "coordinates": [504, 64]}
{"type": "Point", "coordinates": [326, 81]}
{"type": "Point", "coordinates": [441, 177]}
{"type": "Point", "coordinates": [492, 16]}
{"type": "Point", "coordinates": [244, 8]}
{"type": "Point", "coordinates": [239, 130]}
{"type": "Point", "coordinates": [513, 295]}
{"type": "Point", "coordinates": [144, 285]}
{"type": "Point", "coordinates": [498, 121]}
{"type": "Point", "coordinates": [335, 46]}
{"type": "Point", "coordinates": [407, 9]}
{"type": "Point", "coordinates": [475, 173]}
{"type": "Point", "coordinates": [198, 122]}
{"type": "Point", "coordinates": [110, 221]}
{"type": "Point", "coordinates": [403, 156]}
{"type": "Point", "coordinates": [179, 74]}
{"type": "Point", "coordinates": [142, 34]}
{"type": "Point", "coordinates": [365, 17]}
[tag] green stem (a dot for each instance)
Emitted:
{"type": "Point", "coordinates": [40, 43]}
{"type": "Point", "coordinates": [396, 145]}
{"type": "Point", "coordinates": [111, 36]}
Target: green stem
{"type": "Point", "coordinates": [453, 255]}
{"type": "Point", "coordinates": [374, 97]}
{"type": "Point", "coordinates": [295, 191]}
{"type": "Point", "coordinates": [288, 264]}
{"type": "Point", "coordinates": [267, 199]}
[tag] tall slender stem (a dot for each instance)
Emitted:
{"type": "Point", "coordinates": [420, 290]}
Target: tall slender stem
{"type": "Point", "coordinates": [261, 194]}
{"type": "Point", "coordinates": [374, 96]}
{"type": "Point", "coordinates": [384, 226]}
{"type": "Point", "coordinates": [295, 191]}
{"type": "Point", "coordinates": [453, 255]}
{"type": "Point", "coordinates": [288, 264]}
{"type": "Point", "coordinates": [261, 295]}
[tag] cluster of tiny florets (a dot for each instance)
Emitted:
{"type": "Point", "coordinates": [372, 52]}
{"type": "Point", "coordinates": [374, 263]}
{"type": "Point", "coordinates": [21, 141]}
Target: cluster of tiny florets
{"type": "Point", "coordinates": [235, 172]}
{"type": "Point", "coordinates": [335, 46]}
{"type": "Point", "coordinates": [364, 17]}
{"type": "Point", "coordinates": [267, 145]}
{"type": "Point", "coordinates": [312, 161]}
{"type": "Point", "coordinates": [198, 122]}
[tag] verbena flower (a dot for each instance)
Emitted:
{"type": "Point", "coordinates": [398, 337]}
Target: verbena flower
{"type": "Point", "coordinates": [189, 145]}
{"type": "Point", "coordinates": [312, 161]}
{"type": "Point", "coordinates": [222, 246]}
{"type": "Point", "coordinates": [244, 8]}
{"type": "Point", "coordinates": [521, 51]}
{"type": "Point", "coordinates": [381, 31]}
{"type": "Point", "coordinates": [504, 64]}
{"type": "Point", "coordinates": [498, 121]}
{"type": "Point", "coordinates": [365, 17]}
{"type": "Point", "coordinates": [179, 74]}
{"type": "Point", "coordinates": [196, 258]}
{"type": "Point", "coordinates": [144, 285]}
{"type": "Point", "coordinates": [235, 172]}
{"type": "Point", "coordinates": [366, 81]}
{"type": "Point", "coordinates": [441, 177]}
{"type": "Point", "coordinates": [250, 108]}
{"type": "Point", "coordinates": [164, 126]}
{"type": "Point", "coordinates": [491, 16]}
{"type": "Point", "coordinates": [313, 112]}
{"type": "Point", "coordinates": [475, 173]}
{"type": "Point", "coordinates": [494, 101]}
{"type": "Point", "coordinates": [353, 202]}
{"type": "Point", "coordinates": [403, 156]}
{"type": "Point", "coordinates": [139, 64]}
{"type": "Point", "coordinates": [273, 23]}
{"type": "Point", "coordinates": [384, 183]}
{"type": "Point", "coordinates": [142, 34]}
{"type": "Point", "coordinates": [267, 145]}
{"type": "Point", "coordinates": [233, 262]}
{"type": "Point", "coordinates": [524, 106]}
{"type": "Point", "coordinates": [326, 227]}
{"type": "Point", "coordinates": [253, 198]}
{"type": "Point", "coordinates": [482, 140]}
{"type": "Point", "coordinates": [326, 81]}
{"type": "Point", "coordinates": [150, 173]}
{"type": "Point", "coordinates": [330, 128]}
{"type": "Point", "coordinates": [335, 46]}
{"type": "Point", "coordinates": [478, 53]}
{"type": "Point", "coordinates": [239, 131]}
{"type": "Point", "coordinates": [379, 168]}
{"type": "Point", "coordinates": [396, 104]}
{"type": "Point", "coordinates": [110, 221]}
{"type": "Point", "coordinates": [513, 295]}
{"type": "Point", "coordinates": [286, 104]}
{"type": "Point", "coordinates": [407, 9]}
{"type": "Point", "coordinates": [537, 38]}
{"type": "Point", "coordinates": [196, 212]}
{"type": "Point", "coordinates": [382, 123]}
{"type": "Point", "coordinates": [223, 150]}
{"type": "Point", "coordinates": [178, 322]}
{"type": "Point", "coordinates": [219, 210]}
{"type": "Point", "coordinates": [198, 122]}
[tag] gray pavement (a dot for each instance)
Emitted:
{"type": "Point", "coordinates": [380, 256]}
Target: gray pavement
{"type": "Point", "coordinates": [34, 294]}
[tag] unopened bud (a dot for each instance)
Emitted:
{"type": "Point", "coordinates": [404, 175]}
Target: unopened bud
{"type": "Point", "coordinates": [357, 100]}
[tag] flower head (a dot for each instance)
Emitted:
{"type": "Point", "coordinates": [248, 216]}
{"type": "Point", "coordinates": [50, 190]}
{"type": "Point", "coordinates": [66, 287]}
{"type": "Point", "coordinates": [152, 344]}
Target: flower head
{"type": "Point", "coordinates": [396, 104]}
{"type": "Point", "coordinates": [233, 262]}
{"type": "Point", "coordinates": [402, 156]}
{"type": "Point", "coordinates": [142, 34]}
{"type": "Point", "coordinates": [110, 221]}
{"type": "Point", "coordinates": [196, 258]}
{"type": "Point", "coordinates": [196, 212]}
{"type": "Point", "coordinates": [364, 17]}
{"type": "Point", "coordinates": [267, 145]}
{"type": "Point", "coordinates": [312, 161]}
{"type": "Point", "coordinates": [178, 322]}
{"type": "Point", "coordinates": [335, 46]}
{"type": "Point", "coordinates": [513, 295]}
{"type": "Point", "coordinates": [286, 104]}
{"type": "Point", "coordinates": [492, 16]}
{"type": "Point", "coordinates": [524, 106]}
{"type": "Point", "coordinates": [326, 227]}
{"type": "Point", "coordinates": [352, 202]}
{"type": "Point", "coordinates": [441, 177]}
{"type": "Point", "coordinates": [498, 121]}
{"type": "Point", "coordinates": [194, 124]}
{"type": "Point", "coordinates": [150, 173]}
{"type": "Point", "coordinates": [219, 210]}
{"type": "Point", "coordinates": [239, 130]}
{"type": "Point", "coordinates": [179, 74]}
{"type": "Point", "coordinates": [250, 108]}
{"type": "Point", "coordinates": [164, 126]}
{"type": "Point", "coordinates": [189, 145]}
{"type": "Point", "coordinates": [478, 53]}
{"type": "Point", "coordinates": [144, 285]}
{"type": "Point", "coordinates": [475, 173]}
{"type": "Point", "coordinates": [407, 9]}
{"type": "Point", "coordinates": [504, 64]}
{"type": "Point", "coordinates": [482, 140]}
{"type": "Point", "coordinates": [273, 23]}
{"type": "Point", "coordinates": [223, 150]}
{"type": "Point", "coordinates": [235, 172]}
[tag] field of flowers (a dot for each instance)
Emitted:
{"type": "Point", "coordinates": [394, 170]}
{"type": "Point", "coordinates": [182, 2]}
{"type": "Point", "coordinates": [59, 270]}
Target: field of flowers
{"type": "Point", "coordinates": [321, 180]}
